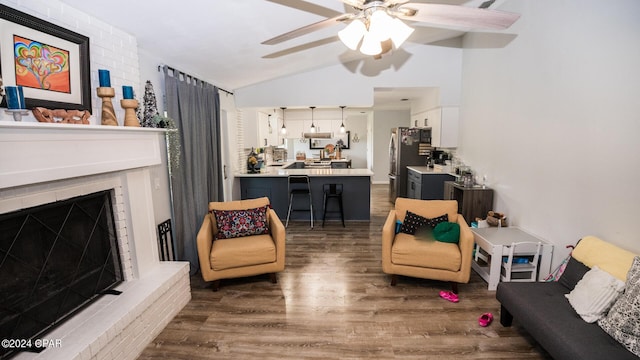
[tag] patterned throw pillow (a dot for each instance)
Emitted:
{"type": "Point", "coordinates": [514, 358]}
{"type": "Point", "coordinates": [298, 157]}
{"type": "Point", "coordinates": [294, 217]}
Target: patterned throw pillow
{"type": "Point", "coordinates": [623, 320]}
{"type": "Point", "coordinates": [238, 223]}
{"type": "Point", "coordinates": [437, 220]}
{"type": "Point", "coordinates": [413, 222]}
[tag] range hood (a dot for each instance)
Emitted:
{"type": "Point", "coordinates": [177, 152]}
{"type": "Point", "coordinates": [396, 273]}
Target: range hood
{"type": "Point", "coordinates": [317, 135]}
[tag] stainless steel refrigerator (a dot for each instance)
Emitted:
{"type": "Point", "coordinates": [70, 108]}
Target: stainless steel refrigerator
{"type": "Point", "coordinates": [404, 148]}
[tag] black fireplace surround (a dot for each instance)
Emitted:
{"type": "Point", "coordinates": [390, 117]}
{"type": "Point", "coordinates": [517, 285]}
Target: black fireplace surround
{"type": "Point", "coordinates": [54, 260]}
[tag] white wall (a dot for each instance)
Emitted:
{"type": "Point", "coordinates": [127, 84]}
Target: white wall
{"type": "Point", "coordinates": [352, 84]}
{"type": "Point", "coordinates": [553, 119]}
{"type": "Point", "coordinates": [383, 122]}
{"type": "Point", "coordinates": [360, 141]}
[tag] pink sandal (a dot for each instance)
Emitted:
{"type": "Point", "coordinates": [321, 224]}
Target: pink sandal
{"type": "Point", "coordinates": [485, 319]}
{"type": "Point", "coordinates": [449, 296]}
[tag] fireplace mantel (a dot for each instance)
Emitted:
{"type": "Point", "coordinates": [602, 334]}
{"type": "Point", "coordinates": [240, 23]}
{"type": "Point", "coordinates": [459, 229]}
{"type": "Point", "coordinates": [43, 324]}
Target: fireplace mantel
{"type": "Point", "coordinates": [42, 163]}
{"type": "Point", "coordinates": [39, 152]}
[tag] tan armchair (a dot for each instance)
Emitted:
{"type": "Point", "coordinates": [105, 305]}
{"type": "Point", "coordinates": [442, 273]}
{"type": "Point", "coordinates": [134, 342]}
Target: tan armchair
{"type": "Point", "coordinates": [242, 256]}
{"type": "Point", "coordinates": [416, 256]}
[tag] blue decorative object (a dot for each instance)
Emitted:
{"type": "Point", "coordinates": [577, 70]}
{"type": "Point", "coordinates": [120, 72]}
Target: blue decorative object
{"type": "Point", "coordinates": [15, 97]}
{"type": "Point", "coordinates": [104, 78]}
{"type": "Point", "coordinates": [127, 92]}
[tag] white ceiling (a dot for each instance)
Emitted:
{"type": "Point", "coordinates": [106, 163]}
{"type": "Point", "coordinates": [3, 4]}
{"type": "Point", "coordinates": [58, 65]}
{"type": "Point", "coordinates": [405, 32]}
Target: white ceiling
{"type": "Point", "coordinates": [220, 41]}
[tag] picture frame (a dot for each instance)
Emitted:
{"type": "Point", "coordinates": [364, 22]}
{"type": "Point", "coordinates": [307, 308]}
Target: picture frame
{"type": "Point", "coordinates": [73, 71]}
{"type": "Point", "coordinates": [317, 144]}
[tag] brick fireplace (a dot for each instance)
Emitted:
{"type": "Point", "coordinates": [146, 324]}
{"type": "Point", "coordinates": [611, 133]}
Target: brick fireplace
{"type": "Point", "coordinates": [45, 163]}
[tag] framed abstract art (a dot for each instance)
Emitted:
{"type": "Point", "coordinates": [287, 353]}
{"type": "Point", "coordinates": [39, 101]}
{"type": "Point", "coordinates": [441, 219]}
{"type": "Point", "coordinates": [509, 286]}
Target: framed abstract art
{"type": "Point", "coordinates": [50, 62]}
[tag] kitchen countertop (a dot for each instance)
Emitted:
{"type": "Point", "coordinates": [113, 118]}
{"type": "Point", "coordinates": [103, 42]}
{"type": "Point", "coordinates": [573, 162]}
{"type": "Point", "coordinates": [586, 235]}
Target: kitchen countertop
{"type": "Point", "coordinates": [279, 171]}
{"type": "Point", "coordinates": [425, 170]}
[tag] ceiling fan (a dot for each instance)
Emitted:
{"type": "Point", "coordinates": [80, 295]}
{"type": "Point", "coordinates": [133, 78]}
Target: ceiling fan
{"type": "Point", "coordinates": [377, 26]}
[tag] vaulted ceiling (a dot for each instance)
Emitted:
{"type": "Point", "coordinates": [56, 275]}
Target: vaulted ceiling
{"type": "Point", "coordinates": [220, 41]}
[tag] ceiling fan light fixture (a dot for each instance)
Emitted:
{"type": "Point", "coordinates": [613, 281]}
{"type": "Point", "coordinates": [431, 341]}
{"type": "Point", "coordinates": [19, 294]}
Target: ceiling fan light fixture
{"type": "Point", "coordinates": [352, 34]}
{"type": "Point", "coordinates": [400, 32]}
{"type": "Point", "coordinates": [379, 24]}
{"type": "Point", "coordinates": [370, 45]}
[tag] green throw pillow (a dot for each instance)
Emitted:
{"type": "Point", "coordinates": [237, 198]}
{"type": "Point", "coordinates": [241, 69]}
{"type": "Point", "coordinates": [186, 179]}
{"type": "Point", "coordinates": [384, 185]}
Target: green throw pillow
{"type": "Point", "coordinates": [447, 232]}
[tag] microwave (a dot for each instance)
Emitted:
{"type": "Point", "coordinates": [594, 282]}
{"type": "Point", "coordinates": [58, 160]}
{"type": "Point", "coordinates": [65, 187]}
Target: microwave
{"type": "Point", "coordinates": [425, 135]}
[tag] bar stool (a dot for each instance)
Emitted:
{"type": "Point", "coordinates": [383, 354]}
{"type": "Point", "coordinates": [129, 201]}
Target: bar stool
{"type": "Point", "coordinates": [299, 185]}
{"type": "Point", "coordinates": [332, 191]}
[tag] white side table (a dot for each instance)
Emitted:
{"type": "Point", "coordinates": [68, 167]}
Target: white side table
{"type": "Point", "coordinates": [495, 241]}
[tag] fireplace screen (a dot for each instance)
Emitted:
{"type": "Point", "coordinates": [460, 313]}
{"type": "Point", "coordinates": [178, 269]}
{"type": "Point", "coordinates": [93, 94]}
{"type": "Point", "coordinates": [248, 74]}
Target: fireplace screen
{"type": "Point", "coordinates": [55, 259]}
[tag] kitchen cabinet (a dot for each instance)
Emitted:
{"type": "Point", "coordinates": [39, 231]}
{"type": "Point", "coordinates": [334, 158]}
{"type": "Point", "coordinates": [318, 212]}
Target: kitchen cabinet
{"type": "Point", "coordinates": [295, 129]}
{"type": "Point", "coordinates": [356, 191]}
{"type": "Point", "coordinates": [420, 120]}
{"type": "Point", "coordinates": [414, 185]}
{"type": "Point", "coordinates": [323, 125]}
{"type": "Point", "coordinates": [473, 202]}
{"type": "Point", "coordinates": [426, 185]}
{"type": "Point", "coordinates": [444, 126]}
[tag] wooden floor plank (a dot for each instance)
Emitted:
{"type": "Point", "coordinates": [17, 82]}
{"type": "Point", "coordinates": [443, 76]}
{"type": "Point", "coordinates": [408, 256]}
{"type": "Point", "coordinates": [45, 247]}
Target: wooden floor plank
{"type": "Point", "coordinates": [332, 301]}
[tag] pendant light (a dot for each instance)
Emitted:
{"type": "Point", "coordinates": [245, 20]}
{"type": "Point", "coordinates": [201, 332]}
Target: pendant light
{"type": "Point", "coordinates": [269, 124]}
{"type": "Point", "coordinates": [283, 130]}
{"type": "Point", "coordinates": [342, 128]}
{"type": "Point", "coordinates": [313, 127]}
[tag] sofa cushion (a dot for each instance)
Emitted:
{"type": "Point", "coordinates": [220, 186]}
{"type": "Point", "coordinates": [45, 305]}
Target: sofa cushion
{"type": "Point", "coordinates": [423, 251]}
{"type": "Point", "coordinates": [592, 251]}
{"type": "Point", "coordinates": [594, 294]}
{"type": "Point", "coordinates": [545, 313]}
{"type": "Point", "coordinates": [238, 223]}
{"type": "Point", "coordinates": [574, 271]}
{"type": "Point", "coordinates": [623, 320]}
{"type": "Point", "coordinates": [243, 251]}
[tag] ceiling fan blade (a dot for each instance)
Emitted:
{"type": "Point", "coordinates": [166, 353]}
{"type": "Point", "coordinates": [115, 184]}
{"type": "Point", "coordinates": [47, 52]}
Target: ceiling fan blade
{"type": "Point", "coordinates": [302, 47]}
{"type": "Point", "coordinates": [386, 46]}
{"type": "Point", "coordinates": [359, 4]}
{"type": "Point", "coordinates": [459, 16]}
{"type": "Point", "coordinates": [355, 3]}
{"type": "Point", "coordinates": [308, 29]}
{"type": "Point", "coordinates": [308, 7]}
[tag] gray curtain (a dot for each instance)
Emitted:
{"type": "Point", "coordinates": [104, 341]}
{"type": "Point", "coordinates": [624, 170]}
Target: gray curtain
{"type": "Point", "coordinates": [194, 105]}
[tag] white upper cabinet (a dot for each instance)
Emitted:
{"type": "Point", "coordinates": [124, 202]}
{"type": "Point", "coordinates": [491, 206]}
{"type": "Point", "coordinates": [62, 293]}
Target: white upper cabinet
{"type": "Point", "coordinates": [323, 125]}
{"type": "Point", "coordinates": [444, 126]}
{"type": "Point", "coordinates": [419, 120]}
{"type": "Point", "coordinates": [295, 128]}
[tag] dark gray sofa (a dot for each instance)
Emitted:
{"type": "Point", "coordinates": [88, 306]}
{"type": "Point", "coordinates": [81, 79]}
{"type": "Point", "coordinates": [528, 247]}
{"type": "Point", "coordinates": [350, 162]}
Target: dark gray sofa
{"type": "Point", "coordinates": [542, 309]}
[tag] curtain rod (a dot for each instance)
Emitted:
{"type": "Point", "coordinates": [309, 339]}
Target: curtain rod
{"type": "Point", "coordinates": [193, 77]}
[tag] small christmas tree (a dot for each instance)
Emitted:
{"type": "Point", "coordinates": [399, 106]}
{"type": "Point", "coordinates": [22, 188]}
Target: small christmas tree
{"type": "Point", "coordinates": [150, 115]}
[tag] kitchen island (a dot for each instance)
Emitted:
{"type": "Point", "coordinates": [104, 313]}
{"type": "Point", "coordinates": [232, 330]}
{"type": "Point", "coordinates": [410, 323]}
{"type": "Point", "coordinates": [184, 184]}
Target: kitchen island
{"type": "Point", "coordinates": [426, 183]}
{"type": "Point", "coordinates": [272, 182]}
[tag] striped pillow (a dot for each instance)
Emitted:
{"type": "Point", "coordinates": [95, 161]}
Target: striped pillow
{"type": "Point", "coordinates": [594, 294]}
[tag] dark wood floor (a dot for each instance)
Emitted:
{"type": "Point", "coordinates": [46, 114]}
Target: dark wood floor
{"type": "Point", "coordinates": [333, 302]}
